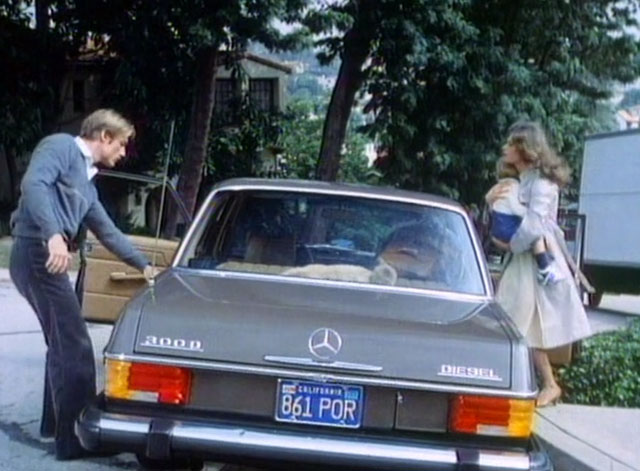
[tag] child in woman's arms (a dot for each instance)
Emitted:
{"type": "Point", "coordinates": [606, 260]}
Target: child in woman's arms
{"type": "Point", "coordinates": [506, 216]}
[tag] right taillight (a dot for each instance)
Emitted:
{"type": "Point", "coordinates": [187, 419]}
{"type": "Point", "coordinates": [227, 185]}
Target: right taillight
{"type": "Point", "coordinates": [484, 415]}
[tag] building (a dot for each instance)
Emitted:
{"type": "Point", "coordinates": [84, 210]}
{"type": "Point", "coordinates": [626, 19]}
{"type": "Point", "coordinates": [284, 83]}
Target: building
{"type": "Point", "coordinates": [263, 80]}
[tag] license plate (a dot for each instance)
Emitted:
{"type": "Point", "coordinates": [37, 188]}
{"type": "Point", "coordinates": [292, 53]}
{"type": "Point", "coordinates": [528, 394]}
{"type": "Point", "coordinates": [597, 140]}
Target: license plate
{"type": "Point", "coordinates": [334, 405]}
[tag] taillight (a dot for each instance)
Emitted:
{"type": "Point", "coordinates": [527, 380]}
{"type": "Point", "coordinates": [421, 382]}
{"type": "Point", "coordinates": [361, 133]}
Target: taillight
{"type": "Point", "coordinates": [485, 415]}
{"type": "Point", "coordinates": [147, 382]}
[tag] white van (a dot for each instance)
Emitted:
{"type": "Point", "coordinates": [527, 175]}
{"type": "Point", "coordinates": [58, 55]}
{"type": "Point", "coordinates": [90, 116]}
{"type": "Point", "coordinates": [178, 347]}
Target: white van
{"type": "Point", "coordinates": [610, 200]}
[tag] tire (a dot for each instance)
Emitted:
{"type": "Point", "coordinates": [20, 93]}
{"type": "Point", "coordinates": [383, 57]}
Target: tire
{"type": "Point", "coordinates": [191, 464]}
{"type": "Point", "coordinates": [595, 298]}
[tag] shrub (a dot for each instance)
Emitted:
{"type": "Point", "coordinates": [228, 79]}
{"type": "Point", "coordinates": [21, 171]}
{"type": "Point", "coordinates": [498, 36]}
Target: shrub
{"type": "Point", "coordinates": [607, 373]}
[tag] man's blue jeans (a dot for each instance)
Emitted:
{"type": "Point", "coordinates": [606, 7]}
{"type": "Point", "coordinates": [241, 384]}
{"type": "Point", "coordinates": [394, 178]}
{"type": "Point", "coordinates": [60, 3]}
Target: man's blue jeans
{"type": "Point", "coordinates": [70, 368]}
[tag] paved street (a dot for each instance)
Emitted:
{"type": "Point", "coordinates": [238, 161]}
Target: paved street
{"type": "Point", "coordinates": [22, 353]}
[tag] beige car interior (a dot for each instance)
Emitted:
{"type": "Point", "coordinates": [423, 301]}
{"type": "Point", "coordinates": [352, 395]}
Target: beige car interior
{"type": "Point", "coordinates": [109, 283]}
{"type": "Point", "coordinates": [271, 251]}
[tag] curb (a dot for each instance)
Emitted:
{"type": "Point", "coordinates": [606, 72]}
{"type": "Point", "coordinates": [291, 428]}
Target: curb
{"type": "Point", "coordinates": [563, 461]}
{"type": "Point", "coordinates": [568, 453]}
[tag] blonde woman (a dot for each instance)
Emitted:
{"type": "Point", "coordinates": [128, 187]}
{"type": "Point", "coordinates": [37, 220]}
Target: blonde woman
{"type": "Point", "coordinates": [551, 315]}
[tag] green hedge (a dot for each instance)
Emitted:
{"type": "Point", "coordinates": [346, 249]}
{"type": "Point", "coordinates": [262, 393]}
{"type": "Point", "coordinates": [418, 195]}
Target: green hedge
{"type": "Point", "coordinates": [607, 372]}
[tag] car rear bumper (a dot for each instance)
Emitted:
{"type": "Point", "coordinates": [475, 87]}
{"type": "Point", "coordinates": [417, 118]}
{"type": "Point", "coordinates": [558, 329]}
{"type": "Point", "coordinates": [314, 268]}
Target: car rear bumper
{"type": "Point", "coordinates": [163, 438]}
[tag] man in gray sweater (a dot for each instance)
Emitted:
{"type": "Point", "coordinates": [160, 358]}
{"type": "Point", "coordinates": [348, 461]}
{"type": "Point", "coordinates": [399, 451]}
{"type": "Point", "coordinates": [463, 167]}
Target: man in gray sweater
{"type": "Point", "coordinates": [57, 197]}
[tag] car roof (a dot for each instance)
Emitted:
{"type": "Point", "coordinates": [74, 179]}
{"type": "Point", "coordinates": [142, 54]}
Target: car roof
{"type": "Point", "coordinates": [351, 189]}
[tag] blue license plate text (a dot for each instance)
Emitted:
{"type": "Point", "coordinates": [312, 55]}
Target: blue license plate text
{"type": "Point", "coordinates": [335, 405]}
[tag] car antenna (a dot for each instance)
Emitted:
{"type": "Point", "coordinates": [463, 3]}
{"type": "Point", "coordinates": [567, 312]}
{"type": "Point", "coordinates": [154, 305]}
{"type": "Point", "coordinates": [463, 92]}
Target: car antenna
{"type": "Point", "coordinates": [165, 174]}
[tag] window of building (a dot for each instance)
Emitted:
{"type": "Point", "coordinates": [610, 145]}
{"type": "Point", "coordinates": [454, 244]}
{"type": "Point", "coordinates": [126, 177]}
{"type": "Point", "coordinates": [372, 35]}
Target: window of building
{"type": "Point", "coordinates": [225, 94]}
{"type": "Point", "coordinates": [261, 92]}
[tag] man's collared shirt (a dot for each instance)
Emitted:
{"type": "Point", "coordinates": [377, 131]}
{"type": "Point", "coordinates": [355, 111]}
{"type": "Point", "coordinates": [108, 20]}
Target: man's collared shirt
{"type": "Point", "coordinates": [92, 170]}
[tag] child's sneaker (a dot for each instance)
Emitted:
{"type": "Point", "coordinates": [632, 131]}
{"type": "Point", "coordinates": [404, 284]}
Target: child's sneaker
{"type": "Point", "coordinates": [549, 275]}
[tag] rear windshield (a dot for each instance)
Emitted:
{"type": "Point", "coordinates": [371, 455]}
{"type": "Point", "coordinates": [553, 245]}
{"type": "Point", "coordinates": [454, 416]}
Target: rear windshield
{"type": "Point", "coordinates": [336, 237]}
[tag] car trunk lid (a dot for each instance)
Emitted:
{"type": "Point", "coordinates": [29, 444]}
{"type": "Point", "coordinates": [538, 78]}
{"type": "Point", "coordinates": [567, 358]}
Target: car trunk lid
{"type": "Point", "coordinates": [387, 333]}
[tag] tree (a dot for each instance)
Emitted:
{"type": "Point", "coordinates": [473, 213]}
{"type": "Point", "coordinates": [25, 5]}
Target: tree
{"type": "Point", "coordinates": [372, 36]}
{"type": "Point", "coordinates": [239, 150]}
{"type": "Point", "coordinates": [173, 49]}
{"type": "Point", "coordinates": [33, 66]}
{"type": "Point", "coordinates": [443, 110]}
{"type": "Point", "coordinates": [301, 138]}
{"type": "Point", "coordinates": [630, 98]}
{"type": "Point", "coordinates": [447, 78]}
{"type": "Point", "coordinates": [354, 49]}
{"type": "Point", "coordinates": [291, 139]}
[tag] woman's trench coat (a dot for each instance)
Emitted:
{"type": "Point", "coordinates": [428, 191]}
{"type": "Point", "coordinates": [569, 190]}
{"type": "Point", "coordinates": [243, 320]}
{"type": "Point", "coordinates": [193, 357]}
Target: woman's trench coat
{"type": "Point", "coordinates": [547, 316]}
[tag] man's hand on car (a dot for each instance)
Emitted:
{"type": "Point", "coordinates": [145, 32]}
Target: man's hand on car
{"type": "Point", "coordinates": [150, 273]}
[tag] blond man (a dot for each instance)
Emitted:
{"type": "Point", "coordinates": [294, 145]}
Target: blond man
{"type": "Point", "coordinates": [57, 197]}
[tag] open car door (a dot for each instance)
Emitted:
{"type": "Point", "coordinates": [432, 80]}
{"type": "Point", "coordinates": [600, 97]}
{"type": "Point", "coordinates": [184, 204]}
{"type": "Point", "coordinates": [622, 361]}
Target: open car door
{"type": "Point", "coordinates": [105, 283]}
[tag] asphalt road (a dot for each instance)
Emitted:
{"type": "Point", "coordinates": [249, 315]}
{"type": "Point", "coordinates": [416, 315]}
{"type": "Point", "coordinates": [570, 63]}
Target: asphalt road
{"type": "Point", "coordinates": [22, 352]}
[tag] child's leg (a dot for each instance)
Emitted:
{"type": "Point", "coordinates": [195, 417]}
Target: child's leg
{"type": "Point", "coordinates": [539, 246]}
{"type": "Point", "coordinates": [548, 273]}
{"type": "Point", "coordinates": [543, 258]}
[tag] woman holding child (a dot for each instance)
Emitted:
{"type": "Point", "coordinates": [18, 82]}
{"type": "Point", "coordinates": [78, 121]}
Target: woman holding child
{"type": "Point", "coordinates": [537, 288]}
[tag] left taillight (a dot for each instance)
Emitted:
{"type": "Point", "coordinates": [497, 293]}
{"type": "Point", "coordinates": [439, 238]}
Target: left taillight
{"type": "Point", "coordinates": [147, 382]}
{"type": "Point", "coordinates": [485, 415]}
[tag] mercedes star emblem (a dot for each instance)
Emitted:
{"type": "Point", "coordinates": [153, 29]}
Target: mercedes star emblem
{"type": "Point", "coordinates": [325, 343]}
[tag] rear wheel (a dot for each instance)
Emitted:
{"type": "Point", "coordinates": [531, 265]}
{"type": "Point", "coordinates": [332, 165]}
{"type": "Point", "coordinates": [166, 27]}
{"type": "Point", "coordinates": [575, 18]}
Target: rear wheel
{"type": "Point", "coordinates": [191, 464]}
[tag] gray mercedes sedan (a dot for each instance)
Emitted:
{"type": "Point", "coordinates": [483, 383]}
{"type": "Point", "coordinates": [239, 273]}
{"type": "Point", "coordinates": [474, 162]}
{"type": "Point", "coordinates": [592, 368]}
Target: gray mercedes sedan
{"type": "Point", "coordinates": [305, 323]}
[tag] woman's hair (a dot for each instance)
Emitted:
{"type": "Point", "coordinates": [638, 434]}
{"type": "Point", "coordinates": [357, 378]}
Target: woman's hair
{"type": "Point", "coordinates": [109, 121]}
{"type": "Point", "coordinates": [505, 170]}
{"type": "Point", "coordinates": [529, 139]}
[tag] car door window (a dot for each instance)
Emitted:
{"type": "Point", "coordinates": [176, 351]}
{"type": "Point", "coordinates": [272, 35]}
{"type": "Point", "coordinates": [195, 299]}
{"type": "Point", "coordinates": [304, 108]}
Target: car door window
{"type": "Point", "coordinates": [134, 202]}
{"type": "Point", "coordinates": [105, 283]}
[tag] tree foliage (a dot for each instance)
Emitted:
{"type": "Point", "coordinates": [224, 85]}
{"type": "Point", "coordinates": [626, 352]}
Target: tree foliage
{"type": "Point", "coordinates": [239, 150]}
{"type": "Point", "coordinates": [443, 80]}
{"type": "Point", "coordinates": [282, 145]}
{"type": "Point", "coordinates": [447, 78]}
{"type": "Point", "coordinates": [357, 23]}
{"type": "Point", "coordinates": [302, 126]}
{"type": "Point", "coordinates": [33, 66]}
{"type": "Point", "coordinates": [630, 98]}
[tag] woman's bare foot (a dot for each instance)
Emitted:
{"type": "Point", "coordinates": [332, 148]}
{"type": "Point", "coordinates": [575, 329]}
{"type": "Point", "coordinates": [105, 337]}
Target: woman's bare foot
{"type": "Point", "coordinates": [549, 395]}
